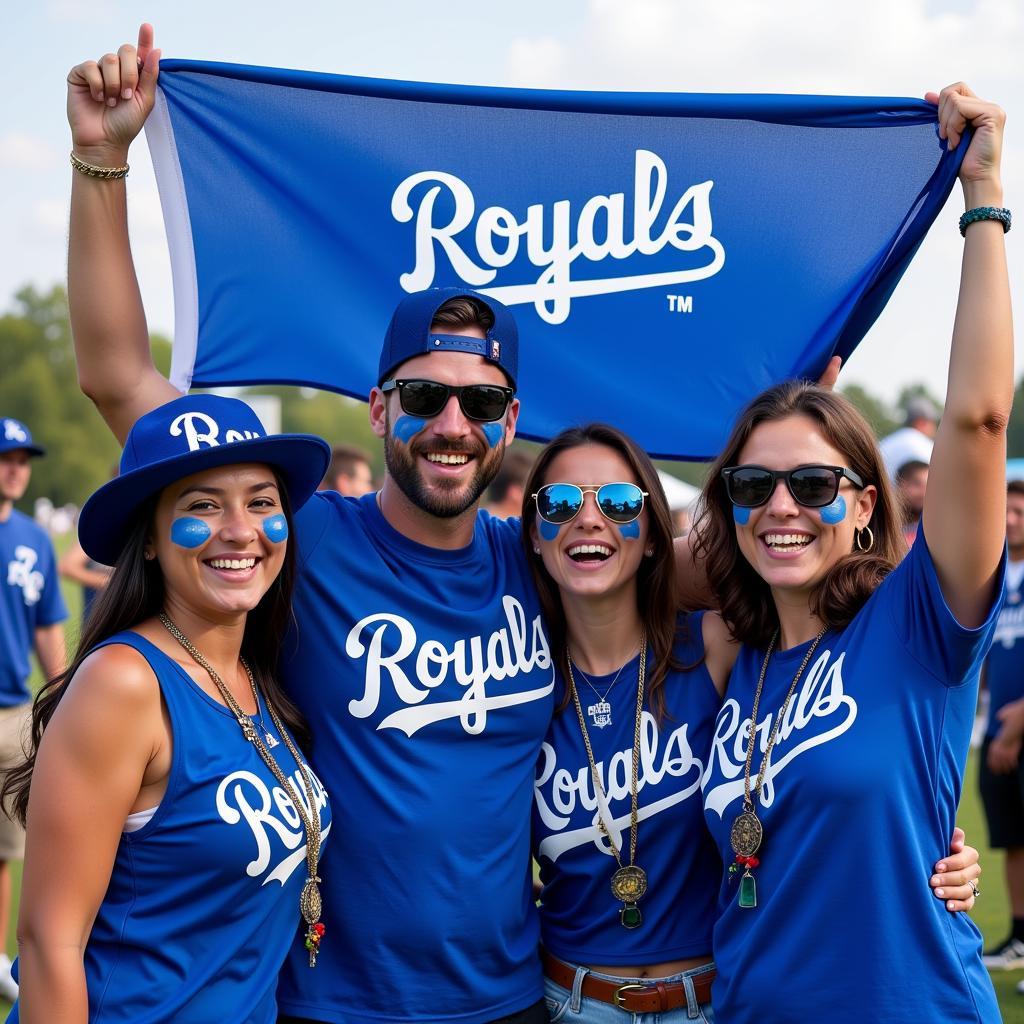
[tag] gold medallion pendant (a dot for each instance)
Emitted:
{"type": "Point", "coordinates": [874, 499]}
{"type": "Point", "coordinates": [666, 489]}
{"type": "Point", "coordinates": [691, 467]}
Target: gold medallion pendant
{"type": "Point", "coordinates": [629, 884]}
{"type": "Point", "coordinates": [746, 834]}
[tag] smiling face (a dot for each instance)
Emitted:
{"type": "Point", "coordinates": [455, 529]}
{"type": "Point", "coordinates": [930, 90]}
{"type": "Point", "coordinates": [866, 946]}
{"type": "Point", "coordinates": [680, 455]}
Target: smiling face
{"type": "Point", "coordinates": [443, 464]}
{"type": "Point", "coordinates": [220, 538]}
{"type": "Point", "coordinates": [590, 556]}
{"type": "Point", "coordinates": [792, 547]}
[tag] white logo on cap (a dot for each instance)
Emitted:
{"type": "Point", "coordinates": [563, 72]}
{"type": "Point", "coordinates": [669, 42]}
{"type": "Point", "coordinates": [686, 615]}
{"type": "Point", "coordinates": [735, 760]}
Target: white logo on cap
{"type": "Point", "coordinates": [14, 431]}
{"type": "Point", "coordinates": [601, 233]}
{"type": "Point", "coordinates": [202, 431]}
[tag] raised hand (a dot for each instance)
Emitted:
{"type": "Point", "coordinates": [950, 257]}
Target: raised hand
{"type": "Point", "coordinates": [110, 99]}
{"type": "Point", "coordinates": [958, 108]}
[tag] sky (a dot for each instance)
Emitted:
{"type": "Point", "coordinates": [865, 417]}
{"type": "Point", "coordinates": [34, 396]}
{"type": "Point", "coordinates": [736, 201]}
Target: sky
{"type": "Point", "coordinates": [873, 47]}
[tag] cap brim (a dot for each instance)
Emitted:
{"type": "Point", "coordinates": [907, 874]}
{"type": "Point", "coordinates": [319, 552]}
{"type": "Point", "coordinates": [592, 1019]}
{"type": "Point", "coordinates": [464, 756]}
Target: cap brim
{"type": "Point", "coordinates": [32, 449]}
{"type": "Point", "coordinates": [106, 517]}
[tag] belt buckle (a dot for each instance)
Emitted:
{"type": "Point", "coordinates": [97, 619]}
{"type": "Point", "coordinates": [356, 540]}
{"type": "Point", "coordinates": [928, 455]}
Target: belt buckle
{"type": "Point", "coordinates": [617, 998]}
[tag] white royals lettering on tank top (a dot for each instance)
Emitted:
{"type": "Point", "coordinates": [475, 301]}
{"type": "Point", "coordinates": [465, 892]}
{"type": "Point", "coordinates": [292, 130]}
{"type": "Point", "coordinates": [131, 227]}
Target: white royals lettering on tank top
{"type": "Point", "coordinates": [558, 791]}
{"type": "Point", "coordinates": [820, 711]}
{"type": "Point", "coordinates": [411, 670]}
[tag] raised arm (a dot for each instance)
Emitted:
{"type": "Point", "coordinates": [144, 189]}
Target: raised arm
{"type": "Point", "coordinates": [108, 103]}
{"type": "Point", "coordinates": [965, 507]}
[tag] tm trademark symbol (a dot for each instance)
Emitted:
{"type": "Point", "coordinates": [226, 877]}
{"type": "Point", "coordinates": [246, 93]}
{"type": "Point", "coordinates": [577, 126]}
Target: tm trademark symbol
{"type": "Point", "coordinates": [680, 303]}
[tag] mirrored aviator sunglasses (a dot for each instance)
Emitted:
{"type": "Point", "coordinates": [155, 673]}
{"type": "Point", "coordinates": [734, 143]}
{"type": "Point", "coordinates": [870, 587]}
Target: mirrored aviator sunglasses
{"type": "Point", "coordinates": [560, 503]}
{"type": "Point", "coordinates": [810, 486]}
{"type": "Point", "coordinates": [426, 398]}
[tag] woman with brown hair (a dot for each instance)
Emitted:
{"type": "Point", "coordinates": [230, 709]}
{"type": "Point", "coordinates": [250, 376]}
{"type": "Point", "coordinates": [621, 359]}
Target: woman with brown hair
{"type": "Point", "coordinates": [858, 669]}
{"type": "Point", "coordinates": [629, 872]}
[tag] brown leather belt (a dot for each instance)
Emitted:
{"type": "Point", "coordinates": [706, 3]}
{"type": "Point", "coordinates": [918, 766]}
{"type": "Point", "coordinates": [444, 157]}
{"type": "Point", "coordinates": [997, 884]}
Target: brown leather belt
{"type": "Point", "coordinates": [641, 996]}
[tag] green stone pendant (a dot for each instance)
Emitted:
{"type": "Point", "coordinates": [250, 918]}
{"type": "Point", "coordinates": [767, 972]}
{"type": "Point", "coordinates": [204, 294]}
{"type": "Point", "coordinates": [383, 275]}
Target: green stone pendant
{"type": "Point", "coordinates": [748, 891]}
{"type": "Point", "coordinates": [630, 916]}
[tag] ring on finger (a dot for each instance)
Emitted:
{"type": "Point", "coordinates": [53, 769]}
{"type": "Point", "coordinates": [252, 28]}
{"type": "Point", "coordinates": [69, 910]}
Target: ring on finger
{"type": "Point", "coordinates": [975, 891]}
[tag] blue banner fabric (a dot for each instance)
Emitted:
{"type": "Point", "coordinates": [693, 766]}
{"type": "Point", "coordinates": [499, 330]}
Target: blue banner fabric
{"type": "Point", "coordinates": [666, 256]}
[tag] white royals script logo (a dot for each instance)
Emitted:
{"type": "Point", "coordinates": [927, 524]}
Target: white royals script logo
{"type": "Point", "coordinates": [243, 797]}
{"type": "Point", "coordinates": [13, 431]}
{"type": "Point", "coordinates": [393, 651]}
{"type": "Point", "coordinates": [558, 791]}
{"type": "Point", "coordinates": [553, 243]}
{"type": "Point", "coordinates": [23, 573]}
{"type": "Point", "coordinates": [202, 431]}
{"type": "Point", "coordinates": [1010, 627]}
{"type": "Point", "coordinates": [819, 712]}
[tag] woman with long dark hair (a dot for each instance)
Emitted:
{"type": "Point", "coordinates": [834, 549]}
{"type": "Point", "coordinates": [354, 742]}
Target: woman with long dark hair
{"type": "Point", "coordinates": [849, 710]}
{"type": "Point", "coordinates": [173, 827]}
{"type": "Point", "coordinates": [628, 870]}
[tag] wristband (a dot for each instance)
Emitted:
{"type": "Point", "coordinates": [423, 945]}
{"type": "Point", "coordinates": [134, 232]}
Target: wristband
{"type": "Point", "coordinates": [93, 171]}
{"type": "Point", "coordinates": [999, 213]}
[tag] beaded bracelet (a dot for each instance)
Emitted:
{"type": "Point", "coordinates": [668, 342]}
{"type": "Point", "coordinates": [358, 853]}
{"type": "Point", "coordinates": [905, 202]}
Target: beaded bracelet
{"type": "Point", "coordinates": [999, 213]}
{"type": "Point", "coordinates": [94, 171]}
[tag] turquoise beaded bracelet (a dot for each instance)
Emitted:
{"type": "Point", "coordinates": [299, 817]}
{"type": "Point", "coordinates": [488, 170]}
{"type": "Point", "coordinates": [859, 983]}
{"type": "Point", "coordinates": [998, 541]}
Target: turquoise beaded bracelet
{"type": "Point", "coordinates": [999, 213]}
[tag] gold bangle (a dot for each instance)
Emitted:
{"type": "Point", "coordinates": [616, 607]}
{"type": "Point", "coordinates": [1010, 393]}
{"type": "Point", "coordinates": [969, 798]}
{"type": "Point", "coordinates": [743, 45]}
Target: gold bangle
{"type": "Point", "coordinates": [93, 171]}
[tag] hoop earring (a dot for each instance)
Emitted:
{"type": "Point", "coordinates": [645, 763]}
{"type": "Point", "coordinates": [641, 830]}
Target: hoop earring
{"type": "Point", "coordinates": [858, 539]}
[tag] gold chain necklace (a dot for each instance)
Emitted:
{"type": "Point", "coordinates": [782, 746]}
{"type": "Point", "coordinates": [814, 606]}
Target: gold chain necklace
{"type": "Point", "coordinates": [747, 832]}
{"type": "Point", "coordinates": [629, 883]}
{"type": "Point", "coordinates": [309, 902]}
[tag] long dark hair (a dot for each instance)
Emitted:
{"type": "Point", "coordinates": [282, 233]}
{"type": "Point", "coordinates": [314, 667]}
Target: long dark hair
{"type": "Point", "coordinates": [134, 593]}
{"type": "Point", "coordinates": [656, 577]}
{"type": "Point", "coordinates": [744, 599]}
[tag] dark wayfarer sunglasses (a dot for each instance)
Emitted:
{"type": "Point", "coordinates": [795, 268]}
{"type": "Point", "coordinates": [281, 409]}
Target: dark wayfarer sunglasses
{"type": "Point", "coordinates": [426, 398]}
{"type": "Point", "coordinates": [811, 486]}
{"type": "Point", "coordinates": [561, 503]}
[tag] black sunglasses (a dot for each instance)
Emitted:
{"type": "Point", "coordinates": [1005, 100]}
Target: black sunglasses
{"type": "Point", "coordinates": [811, 486]}
{"type": "Point", "coordinates": [561, 503]}
{"type": "Point", "coordinates": [426, 398]}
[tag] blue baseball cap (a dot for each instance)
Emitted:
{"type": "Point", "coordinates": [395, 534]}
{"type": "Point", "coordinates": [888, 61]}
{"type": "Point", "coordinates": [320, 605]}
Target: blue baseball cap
{"type": "Point", "coordinates": [186, 436]}
{"type": "Point", "coordinates": [15, 436]}
{"type": "Point", "coordinates": [409, 333]}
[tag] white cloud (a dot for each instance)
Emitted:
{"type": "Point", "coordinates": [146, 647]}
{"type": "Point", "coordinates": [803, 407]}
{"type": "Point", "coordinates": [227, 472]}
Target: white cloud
{"type": "Point", "coordinates": [49, 217]}
{"type": "Point", "coordinates": [22, 152]}
{"type": "Point", "coordinates": [536, 63]}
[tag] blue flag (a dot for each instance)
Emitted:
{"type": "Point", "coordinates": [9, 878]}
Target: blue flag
{"type": "Point", "coordinates": [666, 256]}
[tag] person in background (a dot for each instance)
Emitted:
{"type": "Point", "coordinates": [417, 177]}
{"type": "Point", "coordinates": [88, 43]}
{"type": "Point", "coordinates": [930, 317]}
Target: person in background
{"type": "Point", "coordinates": [913, 441]}
{"type": "Point", "coordinates": [349, 472]}
{"type": "Point", "coordinates": [911, 483]}
{"type": "Point", "coordinates": [504, 497]}
{"type": "Point", "coordinates": [31, 613]}
{"type": "Point", "coordinates": [1001, 775]}
{"type": "Point", "coordinates": [77, 566]}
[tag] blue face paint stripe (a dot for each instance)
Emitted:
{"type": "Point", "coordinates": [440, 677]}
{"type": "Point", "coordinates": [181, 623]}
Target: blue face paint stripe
{"type": "Point", "coordinates": [834, 513]}
{"type": "Point", "coordinates": [630, 531]}
{"type": "Point", "coordinates": [494, 432]}
{"type": "Point", "coordinates": [549, 531]}
{"type": "Point", "coordinates": [276, 528]}
{"type": "Point", "coordinates": [741, 515]}
{"type": "Point", "coordinates": [407, 427]}
{"type": "Point", "coordinates": [189, 532]}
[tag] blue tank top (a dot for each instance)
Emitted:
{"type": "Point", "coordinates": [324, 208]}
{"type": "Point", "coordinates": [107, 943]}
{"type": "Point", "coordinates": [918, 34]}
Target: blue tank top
{"type": "Point", "coordinates": [1004, 667]}
{"type": "Point", "coordinates": [866, 773]}
{"type": "Point", "coordinates": [426, 677]}
{"type": "Point", "coordinates": [203, 900]}
{"type": "Point", "coordinates": [579, 916]}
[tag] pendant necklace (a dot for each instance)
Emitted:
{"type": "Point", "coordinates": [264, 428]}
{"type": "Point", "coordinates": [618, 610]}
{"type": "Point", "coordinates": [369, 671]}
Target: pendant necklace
{"type": "Point", "coordinates": [310, 903]}
{"type": "Point", "coordinates": [747, 833]}
{"type": "Point", "coordinates": [601, 712]}
{"type": "Point", "coordinates": [629, 883]}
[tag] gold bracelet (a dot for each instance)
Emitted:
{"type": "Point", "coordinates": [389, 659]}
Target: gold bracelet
{"type": "Point", "coordinates": [93, 171]}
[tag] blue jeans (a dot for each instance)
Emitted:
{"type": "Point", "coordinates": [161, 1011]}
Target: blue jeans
{"type": "Point", "coordinates": [572, 1007]}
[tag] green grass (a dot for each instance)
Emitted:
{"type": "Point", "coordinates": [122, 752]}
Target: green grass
{"type": "Point", "coordinates": [991, 913]}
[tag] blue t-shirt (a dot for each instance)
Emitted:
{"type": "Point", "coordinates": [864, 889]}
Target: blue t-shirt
{"type": "Point", "coordinates": [857, 806]}
{"type": "Point", "coordinates": [1004, 666]}
{"type": "Point", "coordinates": [29, 598]}
{"type": "Point", "coordinates": [203, 900]}
{"type": "Point", "coordinates": [427, 679]}
{"type": "Point", "coordinates": [579, 916]}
